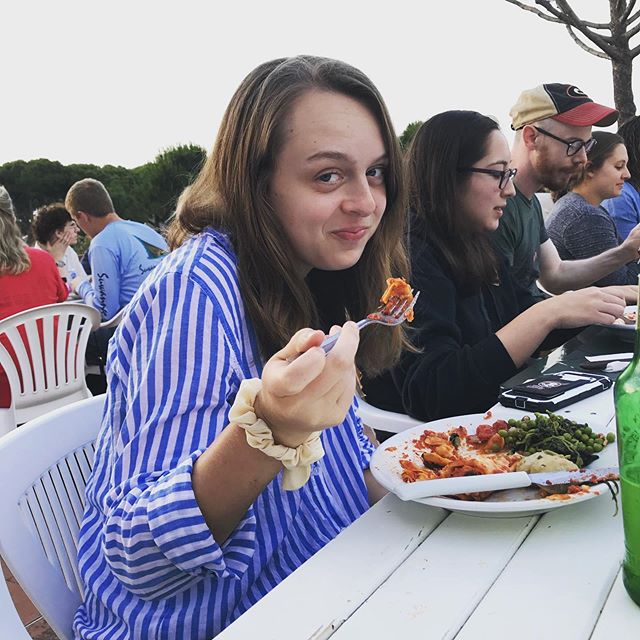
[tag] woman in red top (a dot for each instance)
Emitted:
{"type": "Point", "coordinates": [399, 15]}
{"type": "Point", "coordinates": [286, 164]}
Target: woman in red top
{"type": "Point", "coordinates": [28, 277]}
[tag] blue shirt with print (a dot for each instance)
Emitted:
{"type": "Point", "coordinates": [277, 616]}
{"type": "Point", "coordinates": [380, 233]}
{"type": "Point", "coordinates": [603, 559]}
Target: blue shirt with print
{"type": "Point", "coordinates": [121, 257]}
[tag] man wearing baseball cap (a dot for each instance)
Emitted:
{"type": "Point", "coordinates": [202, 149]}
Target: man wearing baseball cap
{"type": "Point", "coordinates": [553, 134]}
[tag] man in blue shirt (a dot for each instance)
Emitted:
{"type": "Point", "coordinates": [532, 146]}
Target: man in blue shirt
{"type": "Point", "coordinates": [121, 253]}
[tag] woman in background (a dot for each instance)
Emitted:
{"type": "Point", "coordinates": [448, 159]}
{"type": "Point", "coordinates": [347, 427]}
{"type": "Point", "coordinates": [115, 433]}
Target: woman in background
{"type": "Point", "coordinates": [474, 326]}
{"type": "Point", "coordinates": [55, 232]}
{"type": "Point", "coordinates": [28, 277]}
{"type": "Point", "coordinates": [579, 226]}
{"type": "Point", "coordinates": [625, 208]}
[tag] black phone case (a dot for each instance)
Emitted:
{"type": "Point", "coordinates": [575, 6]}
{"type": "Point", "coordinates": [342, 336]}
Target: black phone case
{"type": "Point", "coordinates": [528, 402]}
{"type": "Point", "coordinates": [547, 386]}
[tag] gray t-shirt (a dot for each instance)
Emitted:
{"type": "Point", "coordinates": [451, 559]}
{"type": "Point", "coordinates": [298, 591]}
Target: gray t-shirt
{"type": "Point", "coordinates": [580, 230]}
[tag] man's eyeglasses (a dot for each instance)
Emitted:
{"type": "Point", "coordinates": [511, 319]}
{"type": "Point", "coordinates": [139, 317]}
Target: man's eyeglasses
{"type": "Point", "coordinates": [502, 176]}
{"type": "Point", "coordinates": [573, 146]}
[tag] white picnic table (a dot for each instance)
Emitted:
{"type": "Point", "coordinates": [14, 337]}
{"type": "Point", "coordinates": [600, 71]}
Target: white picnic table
{"type": "Point", "coordinates": [408, 570]}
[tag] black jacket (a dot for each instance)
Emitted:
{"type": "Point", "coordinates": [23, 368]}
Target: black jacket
{"type": "Point", "coordinates": [462, 362]}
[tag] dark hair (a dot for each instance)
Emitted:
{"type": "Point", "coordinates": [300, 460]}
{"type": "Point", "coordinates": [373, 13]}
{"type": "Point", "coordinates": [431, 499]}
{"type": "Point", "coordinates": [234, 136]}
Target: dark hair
{"type": "Point", "coordinates": [231, 193]}
{"type": "Point", "coordinates": [630, 132]}
{"type": "Point", "coordinates": [90, 196]}
{"type": "Point", "coordinates": [606, 142]}
{"type": "Point", "coordinates": [47, 220]}
{"type": "Point", "coordinates": [444, 144]}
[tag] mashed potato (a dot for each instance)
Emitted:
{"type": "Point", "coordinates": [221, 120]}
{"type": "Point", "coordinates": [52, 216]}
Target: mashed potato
{"type": "Point", "coordinates": [545, 461]}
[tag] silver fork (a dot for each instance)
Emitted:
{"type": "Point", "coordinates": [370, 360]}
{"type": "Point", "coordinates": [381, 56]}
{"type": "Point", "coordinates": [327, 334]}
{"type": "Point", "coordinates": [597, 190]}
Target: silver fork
{"type": "Point", "coordinates": [396, 315]}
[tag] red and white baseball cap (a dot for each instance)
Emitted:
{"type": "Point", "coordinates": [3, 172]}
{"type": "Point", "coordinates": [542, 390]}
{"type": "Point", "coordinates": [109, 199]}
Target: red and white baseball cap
{"type": "Point", "coordinates": [563, 102]}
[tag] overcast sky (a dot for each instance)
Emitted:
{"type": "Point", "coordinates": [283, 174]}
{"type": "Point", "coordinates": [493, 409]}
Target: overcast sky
{"type": "Point", "coordinates": [116, 82]}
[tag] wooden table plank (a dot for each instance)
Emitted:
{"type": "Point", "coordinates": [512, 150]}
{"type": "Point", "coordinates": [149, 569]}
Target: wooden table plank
{"type": "Point", "coordinates": [316, 598]}
{"type": "Point", "coordinates": [434, 591]}
{"type": "Point", "coordinates": [558, 581]}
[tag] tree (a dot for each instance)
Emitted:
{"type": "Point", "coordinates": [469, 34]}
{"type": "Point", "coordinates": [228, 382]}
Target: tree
{"type": "Point", "coordinates": [163, 180]}
{"type": "Point", "coordinates": [612, 40]}
{"type": "Point", "coordinates": [147, 193]}
{"type": "Point", "coordinates": [32, 184]}
{"type": "Point", "coordinates": [407, 135]}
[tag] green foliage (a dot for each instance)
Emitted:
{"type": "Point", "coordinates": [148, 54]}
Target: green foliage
{"type": "Point", "coordinates": [165, 178]}
{"type": "Point", "coordinates": [407, 135]}
{"type": "Point", "coordinates": [146, 194]}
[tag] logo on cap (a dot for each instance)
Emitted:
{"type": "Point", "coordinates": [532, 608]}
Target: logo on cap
{"type": "Point", "coordinates": [574, 92]}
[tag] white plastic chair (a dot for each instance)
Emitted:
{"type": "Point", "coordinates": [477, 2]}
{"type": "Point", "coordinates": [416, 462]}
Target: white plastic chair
{"type": "Point", "coordinates": [95, 369]}
{"type": "Point", "coordinates": [49, 372]}
{"type": "Point", "coordinates": [47, 462]}
{"type": "Point", "coordinates": [385, 420]}
{"type": "Point", "coordinates": [113, 322]}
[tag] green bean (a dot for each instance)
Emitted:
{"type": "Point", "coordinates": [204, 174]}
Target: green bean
{"type": "Point", "coordinates": [551, 432]}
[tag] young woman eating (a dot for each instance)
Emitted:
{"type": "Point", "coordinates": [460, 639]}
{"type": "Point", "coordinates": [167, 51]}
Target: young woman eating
{"type": "Point", "coordinates": [474, 326]}
{"type": "Point", "coordinates": [295, 221]}
{"type": "Point", "coordinates": [579, 226]}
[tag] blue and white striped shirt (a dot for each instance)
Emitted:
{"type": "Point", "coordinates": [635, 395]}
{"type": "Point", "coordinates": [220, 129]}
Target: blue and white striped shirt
{"type": "Point", "coordinates": [150, 565]}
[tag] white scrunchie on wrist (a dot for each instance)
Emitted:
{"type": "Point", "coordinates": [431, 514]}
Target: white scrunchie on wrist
{"type": "Point", "coordinates": [296, 461]}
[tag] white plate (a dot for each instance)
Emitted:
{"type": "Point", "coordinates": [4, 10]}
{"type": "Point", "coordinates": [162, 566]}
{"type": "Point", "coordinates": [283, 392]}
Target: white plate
{"type": "Point", "coordinates": [625, 332]}
{"type": "Point", "coordinates": [501, 504]}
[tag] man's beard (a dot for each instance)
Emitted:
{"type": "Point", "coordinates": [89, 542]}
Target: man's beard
{"type": "Point", "coordinates": [553, 178]}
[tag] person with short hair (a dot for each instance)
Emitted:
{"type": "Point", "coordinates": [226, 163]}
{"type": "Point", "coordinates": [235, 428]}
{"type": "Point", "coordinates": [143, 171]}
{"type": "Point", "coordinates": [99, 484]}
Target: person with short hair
{"type": "Point", "coordinates": [578, 225]}
{"type": "Point", "coordinates": [55, 232]}
{"type": "Point", "coordinates": [231, 452]}
{"type": "Point", "coordinates": [121, 253]}
{"type": "Point", "coordinates": [553, 134]}
{"type": "Point", "coordinates": [624, 209]}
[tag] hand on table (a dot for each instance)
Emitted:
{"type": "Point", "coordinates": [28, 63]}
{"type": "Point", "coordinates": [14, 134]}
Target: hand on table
{"type": "Point", "coordinates": [592, 305]}
{"type": "Point", "coordinates": [312, 392]}
{"type": "Point", "coordinates": [628, 291]}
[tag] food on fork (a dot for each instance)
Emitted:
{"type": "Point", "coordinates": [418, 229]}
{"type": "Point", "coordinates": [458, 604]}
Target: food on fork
{"type": "Point", "coordinates": [397, 293]}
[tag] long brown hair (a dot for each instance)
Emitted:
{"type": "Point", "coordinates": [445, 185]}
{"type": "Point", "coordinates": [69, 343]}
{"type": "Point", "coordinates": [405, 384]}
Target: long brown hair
{"type": "Point", "coordinates": [13, 255]}
{"type": "Point", "coordinates": [442, 146]}
{"type": "Point", "coordinates": [231, 193]}
{"type": "Point", "coordinates": [606, 142]}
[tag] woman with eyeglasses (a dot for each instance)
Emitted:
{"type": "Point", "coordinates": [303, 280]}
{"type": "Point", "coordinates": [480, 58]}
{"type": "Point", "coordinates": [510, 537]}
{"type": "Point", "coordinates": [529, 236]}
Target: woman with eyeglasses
{"type": "Point", "coordinates": [55, 232]}
{"type": "Point", "coordinates": [474, 326]}
{"type": "Point", "coordinates": [579, 226]}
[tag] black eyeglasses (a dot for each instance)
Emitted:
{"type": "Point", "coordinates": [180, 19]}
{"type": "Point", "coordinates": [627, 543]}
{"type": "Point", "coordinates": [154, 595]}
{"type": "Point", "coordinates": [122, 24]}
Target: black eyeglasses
{"type": "Point", "coordinates": [502, 176]}
{"type": "Point", "coordinates": [573, 146]}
